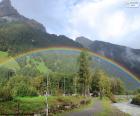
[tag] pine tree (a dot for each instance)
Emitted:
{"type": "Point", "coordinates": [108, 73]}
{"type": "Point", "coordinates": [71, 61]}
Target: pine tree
{"type": "Point", "coordinates": [84, 73]}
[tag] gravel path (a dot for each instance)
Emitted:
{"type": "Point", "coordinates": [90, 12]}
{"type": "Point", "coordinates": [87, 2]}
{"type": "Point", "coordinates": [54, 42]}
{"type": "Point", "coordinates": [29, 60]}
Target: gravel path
{"type": "Point", "coordinates": [88, 112]}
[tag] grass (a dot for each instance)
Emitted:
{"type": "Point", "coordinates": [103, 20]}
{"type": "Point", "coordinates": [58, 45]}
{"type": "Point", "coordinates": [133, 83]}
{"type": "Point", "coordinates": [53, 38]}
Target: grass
{"type": "Point", "coordinates": [78, 109]}
{"type": "Point", "coordinates": [122, 99]}
{"type": "Point", "coordinates": [3, 54]}
{"type": "Point", "coordinates": [40, 65]}
{"type": "Point", "coordinates": [7, 61]}
{"type": "Point", "coordinates": [26, 105]}
{"type": "Point", "coordinates": [35, 104]}
{"type": "Point", "coordinates": [109, 110]}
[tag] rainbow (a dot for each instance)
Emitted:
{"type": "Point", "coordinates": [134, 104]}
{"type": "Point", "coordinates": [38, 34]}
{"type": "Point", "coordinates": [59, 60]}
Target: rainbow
{"type": "Point", "coordinates": [73, 49]}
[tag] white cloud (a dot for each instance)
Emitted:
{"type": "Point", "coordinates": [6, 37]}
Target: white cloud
{"type": "Point", "coordinates": [114, 25]}
{"type": "Point", "coordinates": [107, 20]}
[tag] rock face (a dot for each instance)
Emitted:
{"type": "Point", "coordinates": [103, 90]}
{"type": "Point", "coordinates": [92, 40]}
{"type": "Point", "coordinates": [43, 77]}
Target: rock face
{"type": "Point", "coordinates": [125, 56]}
{"type": "Point", "coordinates": [6, 9]}
{"type": "Point", "coordinates": [84, 41]}
{"type": "Point", "coordinates": [8, 14]}
{"type": "Point", "coordinates": [19, 34]}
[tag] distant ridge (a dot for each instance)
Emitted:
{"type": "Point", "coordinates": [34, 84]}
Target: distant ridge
{"type": "Point", "coordinates": [19, 34]}
{"type": "Point", "coordinates": [127, 57]}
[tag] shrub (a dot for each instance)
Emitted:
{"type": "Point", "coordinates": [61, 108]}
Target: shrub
{"type": "Point", "coordinates": [5, 94]}
{"type": "Point", "coordinates": [112, 98]}
{"type": "Point", "coordinates": [25, 90]}
{"type": "Point", "coordinates": [136, 100]}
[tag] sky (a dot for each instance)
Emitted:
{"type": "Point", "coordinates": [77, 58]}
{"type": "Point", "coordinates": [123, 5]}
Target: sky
{"type": "Point", "coordinates": [112, 21]}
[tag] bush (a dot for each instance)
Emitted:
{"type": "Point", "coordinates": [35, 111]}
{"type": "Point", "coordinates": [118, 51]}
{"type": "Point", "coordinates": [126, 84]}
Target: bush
{"type": "Point", "coordinates": [136, 100]}
{"type": "Point", "coordinates": [25, 90]}
{"type": "Point", "coordinates": [5, 94]}
{"type": "Point", "coordinates": [112, 98]}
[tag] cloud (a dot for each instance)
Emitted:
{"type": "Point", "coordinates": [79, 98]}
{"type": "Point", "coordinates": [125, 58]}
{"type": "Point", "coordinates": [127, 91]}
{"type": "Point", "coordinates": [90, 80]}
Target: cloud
{"type": "Point", "coordinates": [106, 20]}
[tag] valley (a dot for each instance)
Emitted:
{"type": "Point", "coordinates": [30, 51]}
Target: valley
{"type": "Point", "coordinates": [49, 74]}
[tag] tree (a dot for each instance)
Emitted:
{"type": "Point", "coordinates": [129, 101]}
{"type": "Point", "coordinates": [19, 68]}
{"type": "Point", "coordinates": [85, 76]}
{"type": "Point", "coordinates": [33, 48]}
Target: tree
{"type": "Point", "coordinates": [84, 73]}
{"type": "Point", "coordinates": [117, 86]}
{"type": "Point", "coordinates": [95, 82]}
{"type": "Point", "coordinates": [5, 94]}
{"type": "Point", "coordinates": [104, 85]}
{"type": "Point", "coordinates": [40, 84]}
{"type": "Point", "coordinates": [21, 86]}
{"type": "Point", "coordinates": [25, 90]}
{"type": "Point", "coordinates": [101, 84]}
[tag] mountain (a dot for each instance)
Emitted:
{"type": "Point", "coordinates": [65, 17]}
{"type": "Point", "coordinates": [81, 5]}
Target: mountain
{"type": "Point", "coordinates": [19, 34]}
{"type": "Point", "coordinates": [125, 56]}
{"type": "Point", "coordinates": [9, 14]}
{"type": "Point", "coordinates": [84, 41]}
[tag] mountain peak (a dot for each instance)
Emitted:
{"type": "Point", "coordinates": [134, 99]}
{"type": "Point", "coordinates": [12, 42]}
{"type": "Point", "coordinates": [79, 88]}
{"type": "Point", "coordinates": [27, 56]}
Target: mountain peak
{"type": "Point", "coordinates": [8, 13]}
{"type": "Point", "coordinates": [84, 41]}
{"type": "Point", "coordinates": [6, 9]}
{"type": "Point", "coordinates": [6, 2]}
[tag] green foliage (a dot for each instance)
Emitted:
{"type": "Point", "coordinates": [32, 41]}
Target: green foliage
{"type": "Point", "coordinates": [95, 82]}
{"type": "Point", "coordinates": [62, 63]}
{"type": "Point", "coordinates": [104, 85]}
{"type": "Point", "coordinates": [21, 86]}
{"type": "Point", "coordinates": [5, 94]}
{"type": "Point", "coordinates": [84, 72]}
{"type": "Point", "coordinates": [117, 87]}
{"type": "Point", "coordinates": [5, 74]}
{"type": "Point", "coordinates": [37, 104]}
{"type": "Point", "coordinates": [136, 100]}
{"type": "Point", "coordinates": [18, 37]}
{"type": "Point", "coordinates": [40, 84]}
{"type": "Point", "coordinates": [101, 84]}
{"type": "Point", "coordinates": [137, 91]}
{"type": "Point", "coordinates": [28, 71]}
{"type": "Point", "coordinates": [3, 54]}
{"type": "Point", "coordinates": [25, 90]}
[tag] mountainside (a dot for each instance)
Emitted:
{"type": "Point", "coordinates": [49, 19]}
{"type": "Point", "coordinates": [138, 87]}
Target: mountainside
{"type": "Point", "coordinates": [9, 14]}
{"type": "Point", "coordinates": [19, 34]}
{"type": "Point", "coordinates": [84, 41]}
{"type": "Point", "coordinates": [125, 56]}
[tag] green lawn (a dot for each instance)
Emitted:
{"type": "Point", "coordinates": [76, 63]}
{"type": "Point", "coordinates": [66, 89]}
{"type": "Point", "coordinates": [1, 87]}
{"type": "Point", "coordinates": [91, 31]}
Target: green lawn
{"type": "Point", "coordinates": [3, 54]}
{"type": "Point", "coordinates": [7, 61]}
{"type": "Point", "coordinates": [36, 104]}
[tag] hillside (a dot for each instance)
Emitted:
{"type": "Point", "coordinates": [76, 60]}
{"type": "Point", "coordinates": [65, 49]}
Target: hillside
{"type": "Point", "coordinates": [125, 56]}
{"type": "Point", "coordinates": [9, 14]}
{"type": "Point", "coordinates": [19, 34]}
{"type": "Point", "coordinates": [65, 61]}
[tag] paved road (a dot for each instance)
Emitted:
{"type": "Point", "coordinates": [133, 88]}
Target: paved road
{"type": "Point", "coordinates": [88, 112]}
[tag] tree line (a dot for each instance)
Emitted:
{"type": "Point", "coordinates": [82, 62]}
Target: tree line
{"type": "Point", "coordinates": [28, 81]}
